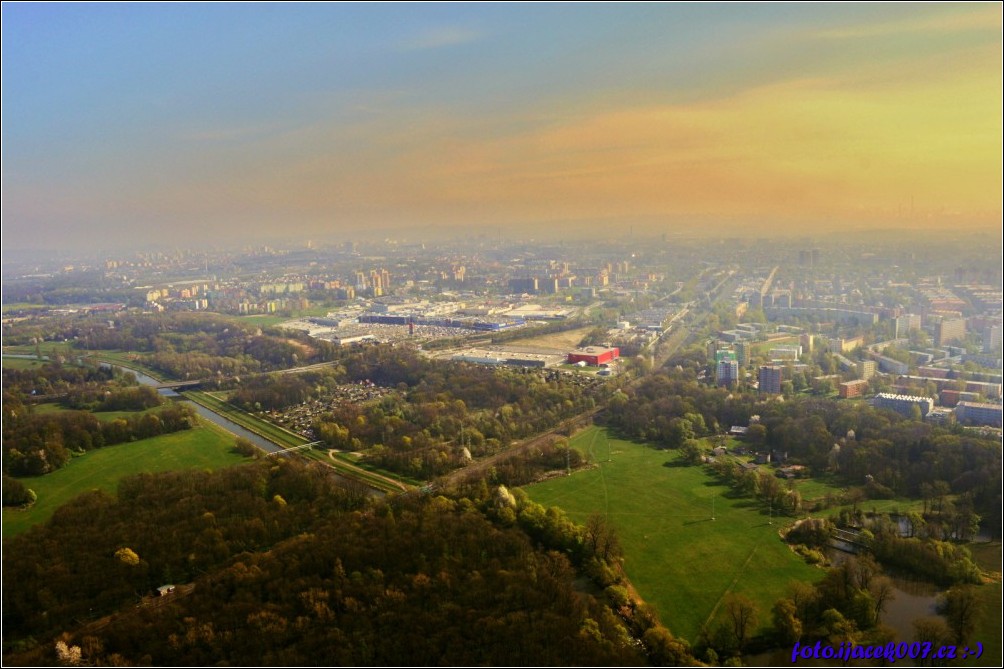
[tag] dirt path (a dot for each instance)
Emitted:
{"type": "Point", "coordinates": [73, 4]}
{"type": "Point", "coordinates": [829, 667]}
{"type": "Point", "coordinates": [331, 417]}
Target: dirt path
{"type": "Point", "coordinates": [364, 472]}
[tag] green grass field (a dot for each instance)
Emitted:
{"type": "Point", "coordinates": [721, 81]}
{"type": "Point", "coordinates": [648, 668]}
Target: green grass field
{"type": "Point", "coordinates": [23, 306]}
{"type": "Point", "coordinates": [21, 363]}
{"type": "Point", "coordinates": [678, 558]}
{"type": "Point", "coordinates": [206, 447]}
{"type": "Point", "coordinates": [265, 320]}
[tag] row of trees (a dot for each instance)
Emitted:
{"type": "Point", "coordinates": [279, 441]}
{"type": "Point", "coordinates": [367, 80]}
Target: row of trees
{"type": "Point", "coordinates": [36, 444]}
{"type": "Point", "coordinates": [53, 379]}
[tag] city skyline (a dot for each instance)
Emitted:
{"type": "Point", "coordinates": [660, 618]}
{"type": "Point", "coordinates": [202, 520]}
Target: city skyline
{"type": "Point", "coordinates": [125, 125]}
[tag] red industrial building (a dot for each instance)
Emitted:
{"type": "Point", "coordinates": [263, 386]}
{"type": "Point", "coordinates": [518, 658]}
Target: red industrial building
{"type": "Point", "coordinates": [594, 355]}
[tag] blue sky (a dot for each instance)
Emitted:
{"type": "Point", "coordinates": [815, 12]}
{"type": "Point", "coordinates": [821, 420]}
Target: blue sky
{"type": "Point", "coordinates": [315, 119]}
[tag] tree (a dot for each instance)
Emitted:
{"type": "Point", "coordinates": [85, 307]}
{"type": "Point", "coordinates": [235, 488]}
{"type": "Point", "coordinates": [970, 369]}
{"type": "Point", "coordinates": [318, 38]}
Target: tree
{"type": "Point", "coordinates": [756, 434]}
{"type": "Point", "coordinates": [664, 649]}
{"type": "Point", "coordinates": [127, 556]}
{"type": "Point", "coordinates": [16, 493]}
{"type": "Point", "coordinates": [245, 447]}
{"type": "Point", "coordinates": [679, 430]}
{"type": "Point", "coordinates": [837, 628]}
{"type": "Point", "coordinates": [690, 451]}
{"type": "Point", "coordinates": [882, 591]}
{"type": "Point", "coordinates": [940, 490]}
{"type": "Point", "coordinates": [787, 626]}
{"type": "Point", "coordinates": [961, 607]}
{"type": "Point", "coordinates": [742, 614]}
{"type": "Point", "coordinates": [600, 537]}
{"type": "Point", "coordinates": [932, 630]}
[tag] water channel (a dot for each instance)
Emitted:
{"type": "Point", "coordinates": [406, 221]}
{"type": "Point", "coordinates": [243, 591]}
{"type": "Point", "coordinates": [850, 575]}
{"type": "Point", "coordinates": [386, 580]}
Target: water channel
{"type": "Point", "coordinates": [208, 414]}
{"type": "Point", "coordinates": [225, 423]}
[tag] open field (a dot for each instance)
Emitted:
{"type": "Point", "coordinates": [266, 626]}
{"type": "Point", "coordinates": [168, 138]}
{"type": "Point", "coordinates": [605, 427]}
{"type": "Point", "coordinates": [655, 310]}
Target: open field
{"type": "Point", "coordinates": [763, 348]}
{"type": "Point", "coordinates": [45, 348]}
{"type": "Point", "coordinates": [205, 447]}
{"type": "Point", "coordinates": [558, 341]}
{"type": "Point", "coordinates": [265, 320]}
{"type": "Point", "coordinates": [23, 306]}
{"type": "Point", "coordinates": [678, 558]}
{"type": "Point", "coordinates": [262, 428]}
{"type": "Point", "coordinates": [21, 363]}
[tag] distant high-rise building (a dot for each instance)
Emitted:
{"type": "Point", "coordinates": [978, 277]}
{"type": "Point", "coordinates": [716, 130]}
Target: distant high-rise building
{"type": "Point", "coordinates": [726, 368]}
{"type": "Point", "coordinates": [524, 285]}
{"type": "Point", "coordinates": [742, 349]}
{"type": "Point", "coordinates": [806, 341]}
{"type": "Point", "coordinates": [948, 330]}
{"type": "Point", "coordinates": [548, 285]}
{"type": "Point", "coordinates": [906, 323]}
{"type": "Point", "coordinates": [866, 369]}
{"type": "Point", "coordinates": [809, 256]}
{"type": "Point", "coordinates": [770, 378]}
{"type": "Point", "coordinates": [991, 338]}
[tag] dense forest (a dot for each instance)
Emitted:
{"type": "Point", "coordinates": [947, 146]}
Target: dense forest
{"type": "Point", "coordinates": [275, 564]}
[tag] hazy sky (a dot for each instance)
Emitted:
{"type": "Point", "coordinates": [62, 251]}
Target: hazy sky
{"type": "Point", "coordinates": [181, 122]}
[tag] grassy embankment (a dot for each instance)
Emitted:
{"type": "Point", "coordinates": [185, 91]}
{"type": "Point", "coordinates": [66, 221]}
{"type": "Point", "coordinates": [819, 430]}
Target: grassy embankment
{"type": "Point", "coordinates": [278, 435]}
{"type": "Point", "coordinates": [356, 460]}
{"type": "Point", "coordinates": [126, 359]}
{"type": "Point", "coordinates": [204, 447]}
{"type": "Point", "coordinates": [678, 558]}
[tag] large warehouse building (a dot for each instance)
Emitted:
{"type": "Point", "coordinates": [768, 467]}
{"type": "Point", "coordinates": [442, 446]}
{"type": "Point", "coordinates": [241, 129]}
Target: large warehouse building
{"type": "Point", "coordinates": [594, 355]}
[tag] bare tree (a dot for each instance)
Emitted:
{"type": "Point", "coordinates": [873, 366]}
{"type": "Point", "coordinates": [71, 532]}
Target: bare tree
{"type": "Point", "coordinates": [742, 613]}
{"type": "Point", "coordinates": [882, 592]}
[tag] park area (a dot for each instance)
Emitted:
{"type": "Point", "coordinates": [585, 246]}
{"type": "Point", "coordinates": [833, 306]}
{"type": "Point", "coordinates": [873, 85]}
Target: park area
{"type": "Point", "coordinates": [678, 558]}
{"type": "Point", "coordinates": [204, 447]}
